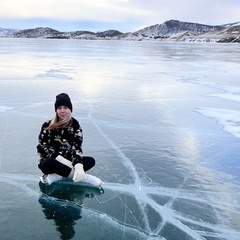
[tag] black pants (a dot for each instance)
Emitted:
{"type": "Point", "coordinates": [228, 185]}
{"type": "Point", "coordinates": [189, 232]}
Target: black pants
{"type": "Point", "coordinates": [51, 165]}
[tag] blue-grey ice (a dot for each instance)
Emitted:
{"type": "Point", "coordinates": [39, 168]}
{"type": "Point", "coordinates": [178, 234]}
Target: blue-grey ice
{"type": "Point", "coordinates": [161, 119]}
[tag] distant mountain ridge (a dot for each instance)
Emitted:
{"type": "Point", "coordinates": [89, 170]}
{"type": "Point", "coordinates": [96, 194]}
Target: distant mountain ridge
{"type": "Point", "coordinates": [7, 32]}
{"type": "Point", "coordinates": [172, 30]}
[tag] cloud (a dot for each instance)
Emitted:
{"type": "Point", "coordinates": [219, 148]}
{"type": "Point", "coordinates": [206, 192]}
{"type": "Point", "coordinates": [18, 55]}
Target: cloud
{"type": "Point", "coordinates": [108, 13]}
{"type": "Point", "coordinates": [202, 11]}
{"type": "Point", "coordinates": [119, 14]}
{"type": "Point", "coordinates": [104, 10]}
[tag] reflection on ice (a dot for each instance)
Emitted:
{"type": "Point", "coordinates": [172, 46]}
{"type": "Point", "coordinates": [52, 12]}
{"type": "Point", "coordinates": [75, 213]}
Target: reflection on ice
{"type": "Point", "coordinates": [64, 214]}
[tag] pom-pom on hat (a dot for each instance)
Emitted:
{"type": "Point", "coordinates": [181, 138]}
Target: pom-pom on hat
{"type": "Point", "coordinates": [63, 99]}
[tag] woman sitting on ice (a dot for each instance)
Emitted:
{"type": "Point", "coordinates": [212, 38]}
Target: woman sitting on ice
{"type": "Point", "coordinates": [60, 147]}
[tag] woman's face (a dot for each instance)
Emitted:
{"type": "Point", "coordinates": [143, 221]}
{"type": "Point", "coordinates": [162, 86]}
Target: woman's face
{"type": "Point", "coordinates": [63, 112]}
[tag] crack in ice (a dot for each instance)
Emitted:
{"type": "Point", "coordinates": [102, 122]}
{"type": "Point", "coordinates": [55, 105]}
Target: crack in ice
{"type": "Point", "coordinates": [143, 199]}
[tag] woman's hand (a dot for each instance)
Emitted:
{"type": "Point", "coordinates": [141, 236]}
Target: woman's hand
{"type": "Point", "coordinates": [79, 173]}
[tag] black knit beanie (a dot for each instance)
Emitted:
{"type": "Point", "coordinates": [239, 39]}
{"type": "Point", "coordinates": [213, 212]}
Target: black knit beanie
{"type": "Point", "coordinates": [63, 99]}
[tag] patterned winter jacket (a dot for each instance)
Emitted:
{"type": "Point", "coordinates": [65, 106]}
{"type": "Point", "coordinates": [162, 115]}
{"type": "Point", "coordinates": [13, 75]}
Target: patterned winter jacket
{"type": "Point", "coordinates": [66, 142]}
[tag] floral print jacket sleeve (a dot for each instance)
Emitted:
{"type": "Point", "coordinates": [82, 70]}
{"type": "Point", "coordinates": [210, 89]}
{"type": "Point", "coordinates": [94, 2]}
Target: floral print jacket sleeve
{"type": "Point", "coordinates": [66, 142]}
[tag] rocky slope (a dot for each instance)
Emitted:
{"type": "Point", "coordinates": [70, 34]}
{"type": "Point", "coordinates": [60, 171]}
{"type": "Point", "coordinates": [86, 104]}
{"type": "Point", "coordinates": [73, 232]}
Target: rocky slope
{"type": "Point", "coordinates": [226, 35]}
{"type": "Point", "coordinates": [172, 30]}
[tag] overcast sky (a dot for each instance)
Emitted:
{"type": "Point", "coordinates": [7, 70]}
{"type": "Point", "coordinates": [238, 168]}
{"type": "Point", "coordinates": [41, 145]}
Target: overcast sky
{"type": "Point", "coordinates": [122, 15]}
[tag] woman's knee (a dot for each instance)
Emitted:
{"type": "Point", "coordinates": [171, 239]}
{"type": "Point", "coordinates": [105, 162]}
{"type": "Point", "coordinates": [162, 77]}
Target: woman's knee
{"type": "Point", "coordinates": [46, 166]}
{"type": "Point", "coordinates": [88, 162]}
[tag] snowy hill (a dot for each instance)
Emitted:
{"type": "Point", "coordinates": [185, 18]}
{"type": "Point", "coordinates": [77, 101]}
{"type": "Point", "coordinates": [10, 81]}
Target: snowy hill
{"type": "Point", "coordinates": [173, 29]}
{"type": "Point", "coordinates": [51, 33]}
{"type": "Point", "coordinates": [36, 33]}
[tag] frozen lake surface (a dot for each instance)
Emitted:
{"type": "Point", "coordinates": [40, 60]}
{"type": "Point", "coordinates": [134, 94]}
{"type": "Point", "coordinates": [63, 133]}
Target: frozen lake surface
{"type": "Point", "coordinates": [162, 121]}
